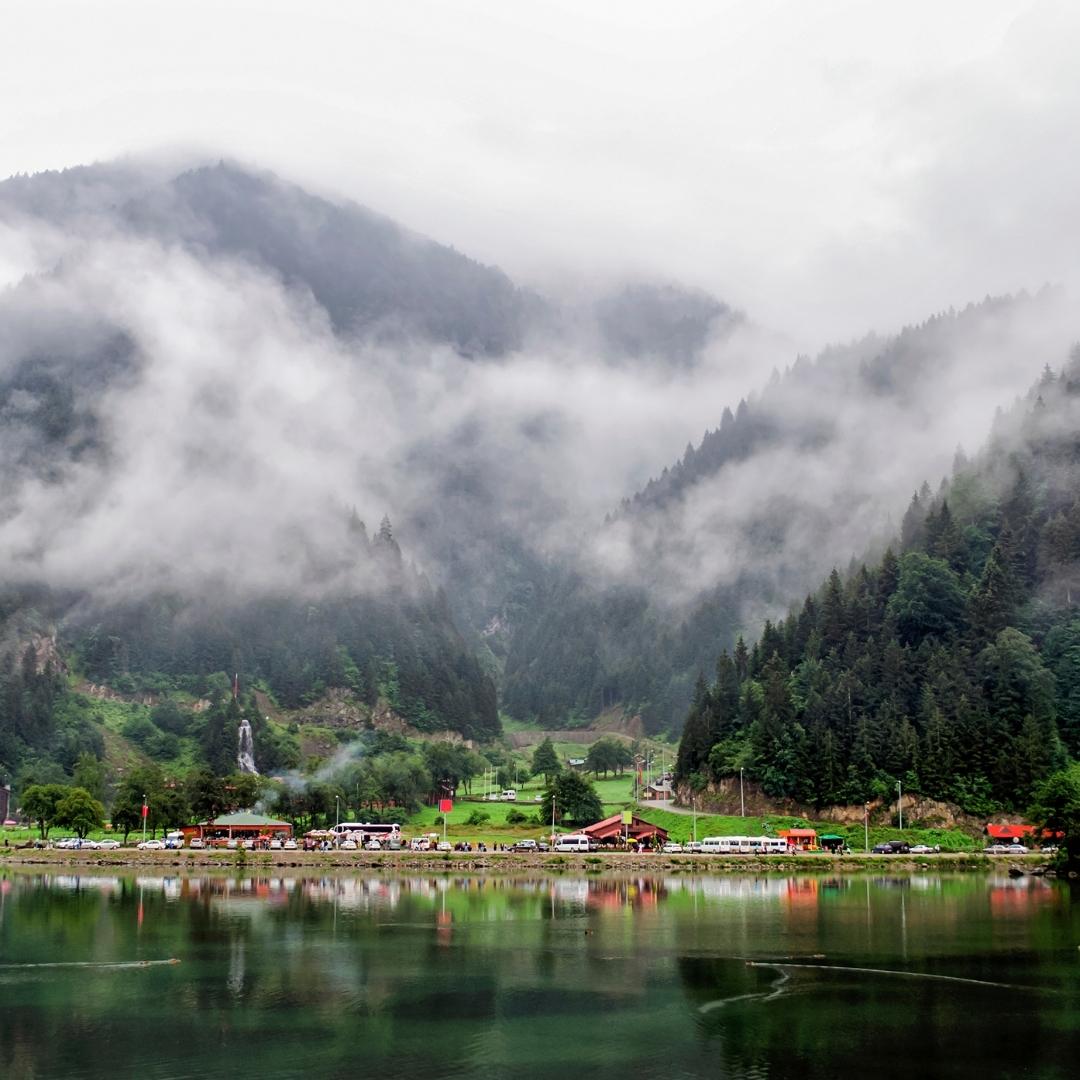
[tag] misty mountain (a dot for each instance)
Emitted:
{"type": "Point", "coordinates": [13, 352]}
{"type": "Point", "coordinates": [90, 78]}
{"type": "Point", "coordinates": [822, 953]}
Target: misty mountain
{"type": "Point", "coordinates": [646, 321]}
{"type": "Point", "coordinates": [952, 665]}
{"type": "Point", "coordinates": [203, 371]}
{"type": "Point", "coordinates": [369, 274]}
{"type": "Point", "coordinates": [793, 480]}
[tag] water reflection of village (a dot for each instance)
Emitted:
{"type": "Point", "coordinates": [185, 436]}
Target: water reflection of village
{"type": "Point", "coordinates": [553, 896]}
{"type": "Point", "coordinates": [481, 966]}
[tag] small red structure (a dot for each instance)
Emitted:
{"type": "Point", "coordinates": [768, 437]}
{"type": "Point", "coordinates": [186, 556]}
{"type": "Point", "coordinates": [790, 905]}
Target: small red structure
{"type": "Point", "coordinates": [612, 831]}
{"type": "Point", "coordinates": [800, 839]}
{"type": "Point", "coordinates": [1017, 834]}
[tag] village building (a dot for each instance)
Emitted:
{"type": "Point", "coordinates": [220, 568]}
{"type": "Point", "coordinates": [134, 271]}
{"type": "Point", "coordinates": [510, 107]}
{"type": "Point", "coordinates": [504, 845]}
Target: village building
{"type": "Point", "coordinates": [659, 790]}
{"type": "Point", "coordinates": [800, 839]}
{"type": "Point", "coordinates": [238, 827]}
{"type": "Point", "coordinates": [613, 831]}
{"type": "Point", "coordinates": [1019, 834]}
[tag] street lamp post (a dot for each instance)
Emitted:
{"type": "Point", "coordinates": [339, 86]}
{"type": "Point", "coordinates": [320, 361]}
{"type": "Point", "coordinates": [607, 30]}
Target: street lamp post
{"type": "Point", "coordinates": [337, 815]}
{"type": "Point", "coordinates": [866, 827]}
{"type": "Point", "coordinates": [742, 798]}
{"type": "Point", "coordinates": [900, 803]}
{"type": "Point", "coordinates": [693, 804]}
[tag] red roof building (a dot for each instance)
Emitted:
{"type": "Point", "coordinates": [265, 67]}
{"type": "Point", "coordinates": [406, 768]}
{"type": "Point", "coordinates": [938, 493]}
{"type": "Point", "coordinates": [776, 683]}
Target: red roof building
{"type": "Point", "coordinates": [1018, 833]}
{"type": "Point", "coordinates": [612, 831]}
{"type": "Point", "coordinates": [802, 839]}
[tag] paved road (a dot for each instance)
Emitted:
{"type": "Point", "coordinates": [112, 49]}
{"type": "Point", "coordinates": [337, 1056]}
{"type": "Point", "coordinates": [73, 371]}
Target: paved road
{"type": "Point", "coordinates": [661, 804]}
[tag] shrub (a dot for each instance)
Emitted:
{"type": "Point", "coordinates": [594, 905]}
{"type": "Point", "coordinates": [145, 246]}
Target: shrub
{"type": "Point", "coordinates": [477, 817]}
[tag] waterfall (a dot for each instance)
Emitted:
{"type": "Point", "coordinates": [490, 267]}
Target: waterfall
{"type": "Point", "coordinates": [245, 757]}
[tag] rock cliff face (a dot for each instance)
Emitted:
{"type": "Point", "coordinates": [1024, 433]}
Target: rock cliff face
{"type": "Point", "coordinates": [722, 797]}
{"type": "Point", "coordinates": [340, 708]}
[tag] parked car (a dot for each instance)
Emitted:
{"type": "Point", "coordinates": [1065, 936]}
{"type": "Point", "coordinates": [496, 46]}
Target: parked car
{"type": "Point", "coordinates": [444, 845]}
{"type": "Point", "coordinates": [693, 847]}
{"type": "Point", "coordinates": [373, 845]}
{"type": "Point", "coordinates": [892, 847]}
{"type": "Point", "coordinates": [152, 845]}
{"type": "Point", "coordinates": [196, 843]}
{"type": "Point", "coordinates": [924, 849]}
{"type": "Point", "coordinates": [68, 842]}
{"type": "Point", "coordinates": [108, 845]}
{"type": "Point", "coordinates": [348, 845]}
{"type": "Point", "coordinates": [289, 845]}
{"type": "Point", "coordinates": [671, 848]}
{"type": "Point", "coordinates": [542, 845]}
{"type": "Point", "coordinates": [996, 849]}
{"type": "Point", "coordinates": [525, 845]}
{"type": "Point", "coordinates": [1049, 849]}
{"type": "Point", "coordinates": [1017, 849]}
{"type": "Point", "coordinates": [275, 844]}
{"type": "Point", "coordinates": [419, 843]}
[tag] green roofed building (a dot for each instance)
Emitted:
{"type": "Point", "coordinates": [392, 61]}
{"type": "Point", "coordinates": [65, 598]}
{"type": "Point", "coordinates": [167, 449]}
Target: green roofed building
{"type": "Point", "coordinates": [242, 826]}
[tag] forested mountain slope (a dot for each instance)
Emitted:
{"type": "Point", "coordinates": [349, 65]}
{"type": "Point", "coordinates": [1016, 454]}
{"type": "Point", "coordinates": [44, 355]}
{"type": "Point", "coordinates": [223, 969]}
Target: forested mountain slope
{"type": "Point", "coordinates": [395, 644]}
{"type": "Point", "coordinates": [951, 664]}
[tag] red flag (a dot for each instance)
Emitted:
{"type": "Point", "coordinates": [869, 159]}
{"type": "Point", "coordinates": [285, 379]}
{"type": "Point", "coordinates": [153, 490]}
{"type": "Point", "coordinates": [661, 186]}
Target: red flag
{"type": "Point", "coordinates": [445, 806]}
{"type": "Point", "coordinates": [145, 810]}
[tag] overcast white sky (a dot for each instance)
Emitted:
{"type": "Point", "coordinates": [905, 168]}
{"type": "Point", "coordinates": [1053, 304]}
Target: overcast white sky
{"type": "Point", "coordinates": [828, 166]}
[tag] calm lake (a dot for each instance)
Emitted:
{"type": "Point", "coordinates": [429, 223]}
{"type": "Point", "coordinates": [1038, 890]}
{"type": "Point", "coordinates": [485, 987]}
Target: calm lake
{"type": "Point", "coordinates": [428, 976]}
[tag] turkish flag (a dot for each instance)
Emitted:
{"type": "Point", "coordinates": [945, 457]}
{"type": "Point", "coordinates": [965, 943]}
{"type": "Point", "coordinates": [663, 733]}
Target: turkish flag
{"type": "Point", "coordinates": [145, 810]}
{"type": "Point", "coordinates": [445, 806]}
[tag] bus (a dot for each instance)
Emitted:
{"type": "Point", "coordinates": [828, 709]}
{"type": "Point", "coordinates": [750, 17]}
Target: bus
{"type": "Point", "coordinates": [744, 845]}
{"type": "Point", "coordinates": [389, 835]}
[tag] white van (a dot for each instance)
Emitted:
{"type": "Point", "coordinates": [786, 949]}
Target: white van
{"type": "Point", "coordinates": [174, 839]}
{"type": "Point", "coordinates": [509, 796]}
{"type": "Point", "coordinates": [572, 842]}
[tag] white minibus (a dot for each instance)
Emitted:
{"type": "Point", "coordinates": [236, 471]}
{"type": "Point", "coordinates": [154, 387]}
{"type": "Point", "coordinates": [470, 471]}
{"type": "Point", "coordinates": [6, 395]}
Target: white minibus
{"type": "Point", "coordinates": [572, 842]}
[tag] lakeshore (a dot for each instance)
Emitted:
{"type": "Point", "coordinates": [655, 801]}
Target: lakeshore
{"type": "Point", "coordinates": [515, 862]}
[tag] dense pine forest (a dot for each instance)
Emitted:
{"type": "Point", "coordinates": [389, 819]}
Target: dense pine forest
{"type": "Point", "coordinates": [951, 664]}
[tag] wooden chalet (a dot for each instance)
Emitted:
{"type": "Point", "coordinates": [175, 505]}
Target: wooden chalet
{"type": "Point", "coordinates": [613, 832]}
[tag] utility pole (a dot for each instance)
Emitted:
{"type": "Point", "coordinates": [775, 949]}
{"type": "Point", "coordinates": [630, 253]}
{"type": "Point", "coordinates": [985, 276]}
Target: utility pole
{"type": "Point", "coordinates": [866, 827]}
{"type": "Point", "coordinates": [693, 805]}
{"type": "Point", "coordinates": [145, 813]}
{"type": "Point", "coordinates": [742, 798]}
{"type": "Point", "coordinates": [900, 803]}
